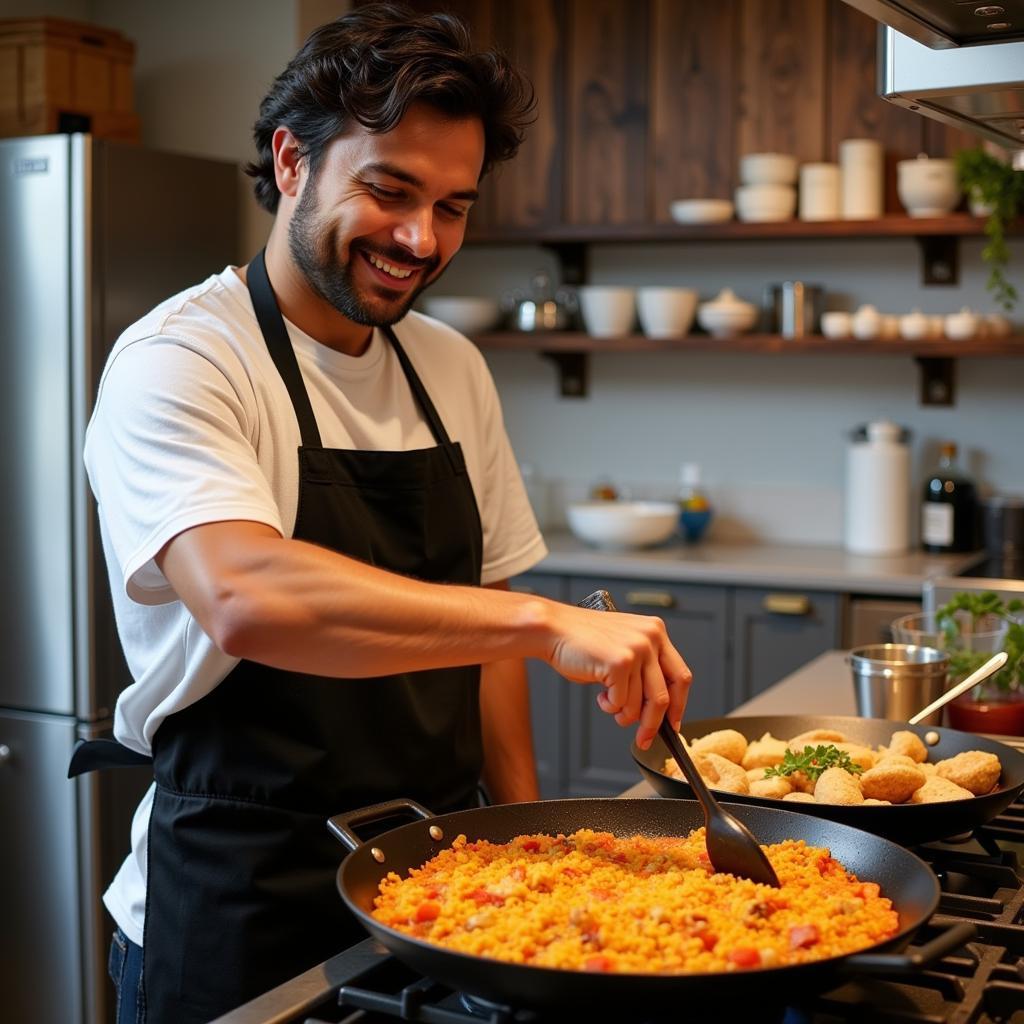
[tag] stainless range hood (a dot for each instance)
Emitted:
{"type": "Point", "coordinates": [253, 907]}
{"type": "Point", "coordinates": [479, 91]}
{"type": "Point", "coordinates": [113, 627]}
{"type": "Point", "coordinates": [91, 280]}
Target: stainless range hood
{"type": "Point", "coordinates": [961, 63]}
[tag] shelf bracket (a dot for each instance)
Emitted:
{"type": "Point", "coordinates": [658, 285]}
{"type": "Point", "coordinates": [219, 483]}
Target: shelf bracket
{"type": "Point", "coordinates": [940, 259]}
{"type": "Point", "coordinates": [572, 372]}
{"type": "Point", "coordinates": [572, 261]}
{"type": "Point", "coordinates": [938, 379]}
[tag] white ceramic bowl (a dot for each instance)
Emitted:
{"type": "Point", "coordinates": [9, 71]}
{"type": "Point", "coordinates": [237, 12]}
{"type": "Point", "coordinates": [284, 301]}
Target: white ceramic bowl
{"type": "Point", "coordinates": [608, 311]}
{"type": "Point", "coordinates": [467, 314]}
{"type": "Point", "coordinates": [768, 169]}
{"type": "Point", "coordinates": [666, 312]}
{"type": "Point", "coordinates": [701, 211]}
{"type": "Point", "coordinates": [836, 323]}
{"type": "Point", "coordinates": [623, 524]}
{"type": "Point", "coordinates": [765, 203]}
{"type": "Point", "coordinates": [927, 187]}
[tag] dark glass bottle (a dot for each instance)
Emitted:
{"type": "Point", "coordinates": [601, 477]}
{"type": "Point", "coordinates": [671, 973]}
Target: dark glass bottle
{"type": "Point", "coordinates": [949, 508]}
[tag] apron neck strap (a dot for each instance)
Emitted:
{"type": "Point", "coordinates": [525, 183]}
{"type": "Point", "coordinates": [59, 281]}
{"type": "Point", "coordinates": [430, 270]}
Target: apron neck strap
{"type": "Point", "coordinates": [419, 391]}
{"type": "Point", "coordinates": [275, 334]}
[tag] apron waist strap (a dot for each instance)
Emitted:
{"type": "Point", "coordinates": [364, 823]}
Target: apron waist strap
{"type": "Point", "coordinates": [93, 755]}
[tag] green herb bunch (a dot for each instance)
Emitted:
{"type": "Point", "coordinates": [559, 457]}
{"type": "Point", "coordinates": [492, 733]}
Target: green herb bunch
{"type": "Point", "coordinates": [1001, 188]}
{"type": "Point", "coordinates": [981, 611]}
{"type": "Point", "coordinates": [813, 761]}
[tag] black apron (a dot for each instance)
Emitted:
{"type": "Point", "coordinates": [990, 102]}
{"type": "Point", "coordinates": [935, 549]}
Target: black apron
{"type": "Point", "coordinates": [241, 894]}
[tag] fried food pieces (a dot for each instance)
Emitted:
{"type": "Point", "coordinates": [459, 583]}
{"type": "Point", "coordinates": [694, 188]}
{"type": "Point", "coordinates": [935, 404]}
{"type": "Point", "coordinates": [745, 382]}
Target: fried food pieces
{"type": "Point", "coordinates": [897, 773]}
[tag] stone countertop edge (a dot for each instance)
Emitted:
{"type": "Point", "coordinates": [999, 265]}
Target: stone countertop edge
{"type": "Point", "coordinates": [768, 565]}
{"type": "Point", "coordinates": [823, 686]}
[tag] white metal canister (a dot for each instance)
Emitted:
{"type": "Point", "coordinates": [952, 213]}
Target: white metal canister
{"type": "Point", "coordinates": [877, 505]}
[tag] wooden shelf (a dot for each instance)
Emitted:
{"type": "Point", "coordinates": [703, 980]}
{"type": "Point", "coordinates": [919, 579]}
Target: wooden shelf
{"type": "Point", "coordinates": [570, 351]}
{"type": "Point", "coordinates": [774, 344]}
{"type": "Point", "coordinates": [937, 237]}
{"type": "Point", "coordinates": [955, 224]}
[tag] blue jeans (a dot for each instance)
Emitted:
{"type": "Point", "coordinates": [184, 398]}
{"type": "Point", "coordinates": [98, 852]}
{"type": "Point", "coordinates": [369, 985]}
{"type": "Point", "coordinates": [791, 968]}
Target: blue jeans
{"type": "Point", "coordinates": [125, 969]}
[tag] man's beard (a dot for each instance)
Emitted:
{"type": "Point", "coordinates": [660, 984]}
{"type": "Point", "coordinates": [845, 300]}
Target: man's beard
{"type": "Point", "coordinates": [312, 247]}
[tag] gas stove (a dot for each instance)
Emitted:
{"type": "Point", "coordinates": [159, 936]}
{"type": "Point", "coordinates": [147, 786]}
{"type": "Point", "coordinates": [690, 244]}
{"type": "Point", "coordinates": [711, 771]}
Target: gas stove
{"type": "Point", "coordinates": [981, 876]}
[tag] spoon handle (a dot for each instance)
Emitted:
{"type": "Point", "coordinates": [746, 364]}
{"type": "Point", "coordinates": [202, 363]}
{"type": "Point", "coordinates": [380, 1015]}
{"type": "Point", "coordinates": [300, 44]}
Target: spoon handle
{"type": "Point", "coordinates": [677, 749]}
{"type": "Point", "coordinates": [994, 664]}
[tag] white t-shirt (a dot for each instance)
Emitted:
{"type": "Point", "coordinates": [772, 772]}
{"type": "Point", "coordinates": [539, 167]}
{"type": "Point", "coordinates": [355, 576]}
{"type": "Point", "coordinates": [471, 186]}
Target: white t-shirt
{"type": "Point", "coordinates": [193, 425]}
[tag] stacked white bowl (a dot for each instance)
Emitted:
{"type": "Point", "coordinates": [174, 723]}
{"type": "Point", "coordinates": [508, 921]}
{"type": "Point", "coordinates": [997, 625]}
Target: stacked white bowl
{"type": "Point", "coordinates": [768, 192]}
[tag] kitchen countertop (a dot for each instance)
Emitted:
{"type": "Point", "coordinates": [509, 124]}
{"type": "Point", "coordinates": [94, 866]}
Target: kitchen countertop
{"type": "Point", "coordinates": [772, 565]}
{"type": "Point", "coordinates": [823, 686]}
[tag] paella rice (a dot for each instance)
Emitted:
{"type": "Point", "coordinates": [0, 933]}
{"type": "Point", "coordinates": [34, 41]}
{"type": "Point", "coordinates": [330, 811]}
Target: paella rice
{"type": "Point", "coordinates": [594, 902]}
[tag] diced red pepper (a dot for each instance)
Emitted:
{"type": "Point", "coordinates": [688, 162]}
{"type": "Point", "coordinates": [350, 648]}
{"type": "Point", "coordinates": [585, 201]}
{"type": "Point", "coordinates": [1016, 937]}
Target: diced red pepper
{"type": "Point", "coordinates": [531, 845]}
{"type": "Point", "coordinates": [598, 964]}
{"type": "Point", "coordinates": [482, 896]}
{"type": "Point", "coordinates": [826, 864]}
{"type": "Point", "coordinates": [710, 939]}
{"type": "Point", "coordinates": [744, 956]}
{"type": "Point", "coordinates": [801, 936]}
{"type": "Point", "coordinates": [428, 911]}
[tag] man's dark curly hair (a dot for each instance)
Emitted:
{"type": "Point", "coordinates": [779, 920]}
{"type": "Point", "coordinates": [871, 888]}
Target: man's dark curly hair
{"type": "Point", "coordinates": [368, 67]}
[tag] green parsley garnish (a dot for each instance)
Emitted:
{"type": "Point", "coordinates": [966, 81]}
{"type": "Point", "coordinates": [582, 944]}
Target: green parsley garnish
{"type": "Point", "coordinates": [813, 761]}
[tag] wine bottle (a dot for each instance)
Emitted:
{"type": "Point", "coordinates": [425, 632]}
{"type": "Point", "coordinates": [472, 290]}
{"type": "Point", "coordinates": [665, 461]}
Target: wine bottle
{"type": "Point", "coordinates": [949, 507]}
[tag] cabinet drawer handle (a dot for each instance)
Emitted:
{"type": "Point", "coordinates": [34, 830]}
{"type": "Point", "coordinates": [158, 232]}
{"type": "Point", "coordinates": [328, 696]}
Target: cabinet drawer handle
{"type": "Point", "coordinates": [650, 598]}
{"type": "Point", "coordinates": [787, 604]}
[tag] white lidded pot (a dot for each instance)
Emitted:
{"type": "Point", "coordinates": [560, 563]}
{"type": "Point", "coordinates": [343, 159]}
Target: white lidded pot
{"type": "Point", "coordinates": [877, 499]}
{"type": "Point", "coordinates": [927, 187]}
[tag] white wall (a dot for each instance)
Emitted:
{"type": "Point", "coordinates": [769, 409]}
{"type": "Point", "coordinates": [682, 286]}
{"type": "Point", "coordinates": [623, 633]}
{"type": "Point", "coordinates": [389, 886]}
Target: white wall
{"type": "Point", "coordinates": [769, 431]}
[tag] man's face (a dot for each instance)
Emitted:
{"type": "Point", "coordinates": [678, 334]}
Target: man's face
{"type": "Point", "coordinates": [384, 214]}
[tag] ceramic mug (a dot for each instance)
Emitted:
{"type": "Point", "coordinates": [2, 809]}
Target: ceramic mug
{"type": "Point", "coordinates": [607, 310]}
{"type": "Point", "coordinates": [666, 312]}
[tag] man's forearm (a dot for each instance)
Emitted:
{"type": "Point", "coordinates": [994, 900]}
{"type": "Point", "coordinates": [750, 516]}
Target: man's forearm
{"type": "Point", "coordinates": [510, 773]}
{"type": "Point", "coordinates": [303, 608]}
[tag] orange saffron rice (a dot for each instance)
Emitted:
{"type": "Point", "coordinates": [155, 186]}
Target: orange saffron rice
{"type": "Point", "coordinates": [595, 902]}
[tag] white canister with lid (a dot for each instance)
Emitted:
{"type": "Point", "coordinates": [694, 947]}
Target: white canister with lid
{"type": "Point", "coordinates": [819, 191]}
{"type": "Point", "coordinates": [877, 500]}
{"type": "Point", "coordinates": [862, 170]}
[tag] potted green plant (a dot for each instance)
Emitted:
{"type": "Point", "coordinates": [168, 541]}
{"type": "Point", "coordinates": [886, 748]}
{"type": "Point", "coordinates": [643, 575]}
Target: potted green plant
{"type": "Point", "coordinates": [999, 188]}
{"type": "Point", "coordinates": [997, 704]}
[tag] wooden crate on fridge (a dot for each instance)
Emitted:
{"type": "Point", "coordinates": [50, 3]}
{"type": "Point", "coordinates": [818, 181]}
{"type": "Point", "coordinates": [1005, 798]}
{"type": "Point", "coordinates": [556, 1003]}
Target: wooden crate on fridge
{"type": "Point", "coordinates": [61, 76]}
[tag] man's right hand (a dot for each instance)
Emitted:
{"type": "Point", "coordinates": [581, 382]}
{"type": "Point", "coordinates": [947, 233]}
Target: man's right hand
{"type": "Point", "coordinates": [643, 675]}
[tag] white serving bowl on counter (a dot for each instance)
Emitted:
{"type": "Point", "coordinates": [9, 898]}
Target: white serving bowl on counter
{"type": "Point", "coordinates": [623, 524]}
{"type": "Point", "coordinates": [468, 314]}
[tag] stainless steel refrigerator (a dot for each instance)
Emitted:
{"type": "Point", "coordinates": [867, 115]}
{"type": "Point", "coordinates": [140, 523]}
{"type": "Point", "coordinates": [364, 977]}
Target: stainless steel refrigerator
{"type": "Point", "coordinates": [92, 235]}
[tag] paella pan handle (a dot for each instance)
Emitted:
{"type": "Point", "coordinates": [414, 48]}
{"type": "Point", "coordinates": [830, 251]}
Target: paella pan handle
{"type": "Point", "coordinates": [341, 825]}
{"type": "Point", "coordinates": [908, 963]}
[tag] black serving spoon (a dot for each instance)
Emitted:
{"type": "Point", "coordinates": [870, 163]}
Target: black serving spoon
{"type": "Point", "coordinates": [732, 849]}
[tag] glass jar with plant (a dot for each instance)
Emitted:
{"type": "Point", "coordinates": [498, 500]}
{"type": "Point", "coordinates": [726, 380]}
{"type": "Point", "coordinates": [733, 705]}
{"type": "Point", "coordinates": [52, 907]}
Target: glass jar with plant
{"type": "Point", "coordinates": [998, 187]}
{"type": "Point", "coordinates": [996, 705]}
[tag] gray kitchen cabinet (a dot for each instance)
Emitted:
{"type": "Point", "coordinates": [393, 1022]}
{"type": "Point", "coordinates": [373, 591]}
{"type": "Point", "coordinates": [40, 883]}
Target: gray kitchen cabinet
{"type": "Point", "coordinates": [774, 632]}
{"type": "Point", "coordinates": [695, 616]}
{"type": "Point", "coordinates": [549, 698]}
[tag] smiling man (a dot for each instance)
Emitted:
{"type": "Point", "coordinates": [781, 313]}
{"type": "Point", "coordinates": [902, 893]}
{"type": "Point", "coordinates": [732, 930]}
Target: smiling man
{"type": "Point", "coordinates": [309, 510]}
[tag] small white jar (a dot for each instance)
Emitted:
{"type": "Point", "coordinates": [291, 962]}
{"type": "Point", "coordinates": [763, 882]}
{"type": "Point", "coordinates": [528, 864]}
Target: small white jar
{"type": "Point", "coordinates": [914, 326]}
{"type": "Point", "coordinates": [867, 323]}
{"type": "Point", "coordinates": [961, 326]}
{"type": "Point", "coordinates": [836, 323]}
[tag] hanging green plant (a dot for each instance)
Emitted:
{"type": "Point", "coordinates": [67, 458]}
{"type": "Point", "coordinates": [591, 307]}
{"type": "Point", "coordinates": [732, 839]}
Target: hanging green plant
{"type": "Point", "coordinates": [996, 185]}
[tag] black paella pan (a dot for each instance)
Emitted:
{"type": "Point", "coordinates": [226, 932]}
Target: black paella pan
{"type": "Point", "coordinates": [903, 877]}
{"type": "Point", "coordinates": [903, 823]}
